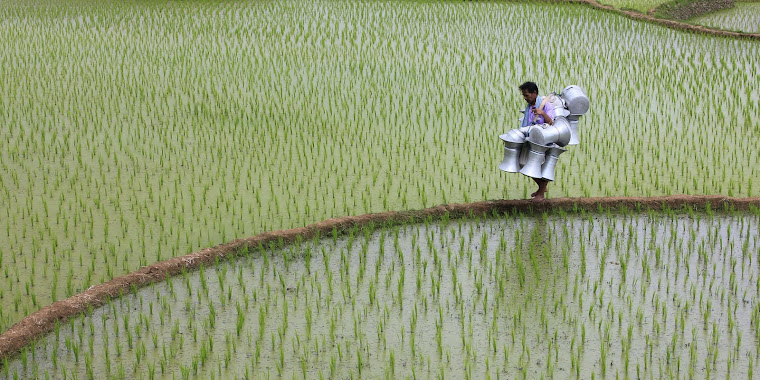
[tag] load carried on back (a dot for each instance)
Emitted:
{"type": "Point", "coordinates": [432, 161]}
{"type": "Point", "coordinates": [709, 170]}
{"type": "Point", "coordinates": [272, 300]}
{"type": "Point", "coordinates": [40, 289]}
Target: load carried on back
{"type": "Point", "coordinates": [533, 149]}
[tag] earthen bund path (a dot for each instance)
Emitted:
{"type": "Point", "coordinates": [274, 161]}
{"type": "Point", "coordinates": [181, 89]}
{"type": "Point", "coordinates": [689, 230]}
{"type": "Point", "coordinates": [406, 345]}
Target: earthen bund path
{"type": "Point", "coordinates": [43, 321]}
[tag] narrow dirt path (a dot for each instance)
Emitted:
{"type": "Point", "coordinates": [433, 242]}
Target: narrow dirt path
{"type": "Point", "coordinates": [43, 321]}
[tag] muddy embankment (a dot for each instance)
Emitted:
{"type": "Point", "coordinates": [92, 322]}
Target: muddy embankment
{"type": "Point", "coordinates": [675, 24]}
{"type": "Point", "coordinates": [43, 321]}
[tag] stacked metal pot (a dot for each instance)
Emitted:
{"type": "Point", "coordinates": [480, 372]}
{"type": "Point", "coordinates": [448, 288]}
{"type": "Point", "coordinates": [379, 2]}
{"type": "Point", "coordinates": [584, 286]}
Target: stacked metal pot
{"type": "Point", "coordinates": [534, 150]}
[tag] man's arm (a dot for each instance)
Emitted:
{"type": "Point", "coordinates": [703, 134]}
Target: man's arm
{"type": "Point", "coordinates": [547, 113]}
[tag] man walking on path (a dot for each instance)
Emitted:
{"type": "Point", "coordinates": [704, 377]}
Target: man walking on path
{"type": "Point", "coordinates": [536, 112]}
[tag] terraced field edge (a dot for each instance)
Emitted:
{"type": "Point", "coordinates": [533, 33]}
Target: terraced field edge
{"type": "Point", "coordinates": [674, 24]}
{"type": "Point", "coordinates": [43, 321]}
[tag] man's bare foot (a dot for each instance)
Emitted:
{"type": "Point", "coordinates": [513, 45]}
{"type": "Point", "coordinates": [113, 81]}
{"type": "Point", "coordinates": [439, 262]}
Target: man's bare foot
{"type": "Point", "coordinates": [539, 197]}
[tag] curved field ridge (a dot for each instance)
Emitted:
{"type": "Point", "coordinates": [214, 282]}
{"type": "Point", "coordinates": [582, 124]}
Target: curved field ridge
{"type": "Point", "coordinates": [670, 23]}
{"type": "Point", "coordinates": [45, 320]}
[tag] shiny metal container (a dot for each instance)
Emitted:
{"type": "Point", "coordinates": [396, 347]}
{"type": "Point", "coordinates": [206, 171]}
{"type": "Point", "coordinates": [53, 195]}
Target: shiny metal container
{"type": "Point", "coordinates": [524, 154]}
{"type": "Point", "coordinates": [513, 146]}
{"type": "Point", "coordinates": [535, 160]}
{"type": "Point", "coordinates": [552, 156]}
{"type": "Point", "coordinates": [511, 161]}
{"type": "Point", "coordinates": [545, 134]}
{"type": "Point", "coordinates": [574, 133]}
{"type": "Point", "coordinates": [512, 138]}
{"type": "Point", "coordinates": [576, 100]}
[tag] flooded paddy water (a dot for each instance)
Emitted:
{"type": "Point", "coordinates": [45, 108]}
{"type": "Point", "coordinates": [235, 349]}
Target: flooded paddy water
{"type": "Point", "coordinates": [640, 294]}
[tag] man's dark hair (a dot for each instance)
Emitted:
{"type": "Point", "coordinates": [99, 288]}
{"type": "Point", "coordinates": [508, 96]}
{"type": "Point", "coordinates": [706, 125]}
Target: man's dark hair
{"type": "Point", "coordinates": [529, 86]}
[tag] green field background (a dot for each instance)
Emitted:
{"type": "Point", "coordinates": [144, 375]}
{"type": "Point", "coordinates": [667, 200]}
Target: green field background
{"type": "Point", "coordinates": [133, 133]}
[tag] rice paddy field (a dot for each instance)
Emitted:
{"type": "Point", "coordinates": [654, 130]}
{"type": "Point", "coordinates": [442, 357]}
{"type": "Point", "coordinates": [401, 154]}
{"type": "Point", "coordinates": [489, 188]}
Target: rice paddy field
{"type": "Point", "coordinates": [633, 294]}
{"type": "Point", "coordinates": [743, 17]}
{"type": "Point", "coordinates": [136, 132]}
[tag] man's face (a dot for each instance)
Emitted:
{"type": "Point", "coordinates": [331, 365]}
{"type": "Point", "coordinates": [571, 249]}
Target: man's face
{"type": "Point", "coordinates": [530, 97]}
